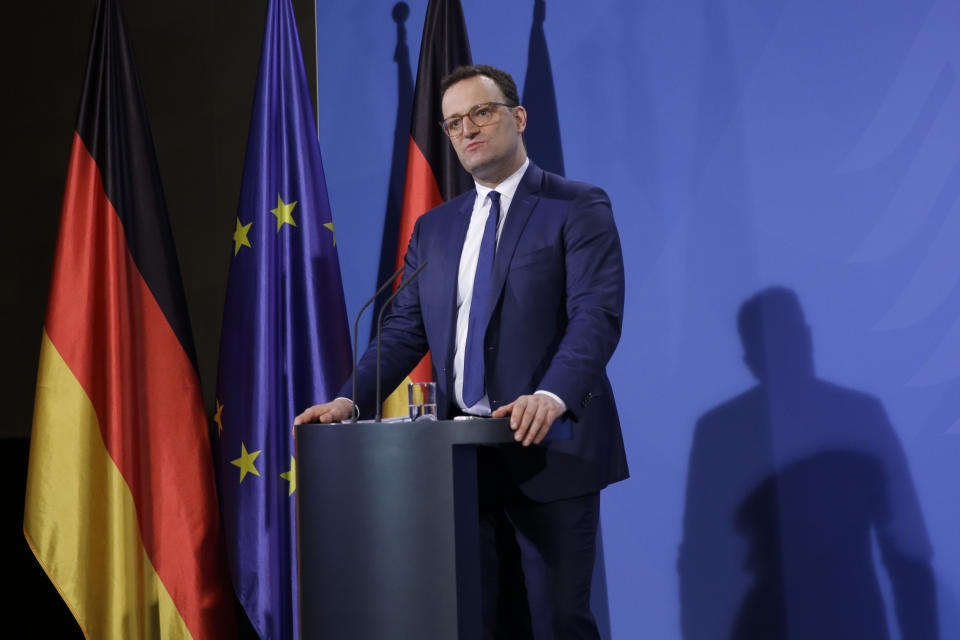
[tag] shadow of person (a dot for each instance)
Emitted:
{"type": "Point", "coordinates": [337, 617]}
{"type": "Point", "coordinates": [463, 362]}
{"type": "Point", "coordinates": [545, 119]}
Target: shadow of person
{"type": "Point", "coordinates": [789, 485]}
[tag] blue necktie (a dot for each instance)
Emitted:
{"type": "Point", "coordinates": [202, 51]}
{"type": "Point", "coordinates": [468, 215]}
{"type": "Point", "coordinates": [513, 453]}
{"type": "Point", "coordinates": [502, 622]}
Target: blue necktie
{"type": "Point", "coordinates": [473, 386]}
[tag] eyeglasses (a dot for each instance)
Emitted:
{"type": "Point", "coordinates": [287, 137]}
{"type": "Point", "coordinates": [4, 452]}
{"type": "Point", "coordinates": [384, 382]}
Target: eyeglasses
{"type": "Point", "coordinates": [480, 115]}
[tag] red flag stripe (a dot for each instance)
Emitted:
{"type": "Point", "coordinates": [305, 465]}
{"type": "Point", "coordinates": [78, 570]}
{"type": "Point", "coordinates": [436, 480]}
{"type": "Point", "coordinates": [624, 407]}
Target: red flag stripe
{"type": "Point", "coordinates": [420, 194]}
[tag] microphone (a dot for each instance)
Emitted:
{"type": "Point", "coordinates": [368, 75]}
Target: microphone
{"type": "Point", "coordinates": [380, 326]}
{"type": "Point", "coordinates": [356, 321]}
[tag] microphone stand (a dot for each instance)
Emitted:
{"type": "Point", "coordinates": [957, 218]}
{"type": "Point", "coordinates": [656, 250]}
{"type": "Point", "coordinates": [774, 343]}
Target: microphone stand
{"type": "Point", "coordinates": [386, 304]}
{"type": "Point", "coordinates": [356, 322]}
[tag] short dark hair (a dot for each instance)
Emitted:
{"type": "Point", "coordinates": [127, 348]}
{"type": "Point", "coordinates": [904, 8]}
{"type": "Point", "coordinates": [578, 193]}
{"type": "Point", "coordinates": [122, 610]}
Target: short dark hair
{"type": "Point", "coordinates": [502, 79]}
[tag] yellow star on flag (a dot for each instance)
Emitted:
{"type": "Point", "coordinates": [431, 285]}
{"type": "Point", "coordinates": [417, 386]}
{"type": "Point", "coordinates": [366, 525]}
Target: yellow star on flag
{"type": "Point", "coordinates": [240, 236]}
{"type": "Point", "coordinates": [284, 212]}
{"type": "Point", "coordinates": [218, 417]}
{"type": "Point", "coordinates": [329, 225]}
{"type": "Point", "coordinates": [291, 476]}
{"type": "Point", "coordinates": [245, 462]}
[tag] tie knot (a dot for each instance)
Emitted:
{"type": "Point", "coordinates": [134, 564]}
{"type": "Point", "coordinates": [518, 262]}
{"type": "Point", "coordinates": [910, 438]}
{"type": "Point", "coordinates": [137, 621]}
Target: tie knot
{"type": "Point", "coordinates": [495, 197]}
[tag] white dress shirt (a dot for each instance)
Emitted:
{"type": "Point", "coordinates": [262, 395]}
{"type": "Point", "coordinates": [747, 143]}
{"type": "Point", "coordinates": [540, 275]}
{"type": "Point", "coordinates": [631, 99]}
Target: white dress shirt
{"type": "Point", "coordinates": [466, 273]}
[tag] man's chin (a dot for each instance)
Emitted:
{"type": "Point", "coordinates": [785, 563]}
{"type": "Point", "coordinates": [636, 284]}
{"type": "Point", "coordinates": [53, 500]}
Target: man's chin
{"type": "Point", "coordinates": [473, 162]}
{"type": "Point", "coordinates": [479, 168]}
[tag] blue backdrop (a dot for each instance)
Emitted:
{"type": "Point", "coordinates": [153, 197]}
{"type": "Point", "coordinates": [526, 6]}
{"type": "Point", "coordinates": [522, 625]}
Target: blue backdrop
{"type": "Point", "coordinates": [813, 146]}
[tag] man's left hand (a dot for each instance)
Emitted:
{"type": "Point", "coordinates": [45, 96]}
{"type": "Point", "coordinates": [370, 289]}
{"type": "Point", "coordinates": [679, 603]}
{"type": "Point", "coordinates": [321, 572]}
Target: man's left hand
{"type": "Point", "coordinates": [530, 417]}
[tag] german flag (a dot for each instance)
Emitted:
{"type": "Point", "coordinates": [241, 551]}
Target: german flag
{"type": "Point", "coordinates": [434, 174]}
{"type": "Point", "coordinates": [120, 506]}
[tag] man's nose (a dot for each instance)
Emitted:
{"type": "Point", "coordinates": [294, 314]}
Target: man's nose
{"type": "Point", "coordinates": [469, 129]}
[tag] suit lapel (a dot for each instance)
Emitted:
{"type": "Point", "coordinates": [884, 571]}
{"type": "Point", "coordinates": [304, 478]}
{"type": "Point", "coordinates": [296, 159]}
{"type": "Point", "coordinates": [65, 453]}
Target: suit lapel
{"type": "Point", "coordinates": [446, 282]}
{"type": "Point", "coordinates": [523, 204]}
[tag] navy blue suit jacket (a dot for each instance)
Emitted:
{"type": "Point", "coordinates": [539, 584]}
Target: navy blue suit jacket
{"type": "Point", "coordinates": [554, 321]}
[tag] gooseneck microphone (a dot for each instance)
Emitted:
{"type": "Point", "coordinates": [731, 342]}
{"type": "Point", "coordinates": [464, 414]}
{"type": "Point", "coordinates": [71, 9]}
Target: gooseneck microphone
{"type": "Point", "coordinates": [385, 306]}
{"type": "Point", "coordinates": [356, 321]}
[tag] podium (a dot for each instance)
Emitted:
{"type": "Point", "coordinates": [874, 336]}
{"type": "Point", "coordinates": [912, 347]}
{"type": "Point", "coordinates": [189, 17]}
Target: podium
{"type": "Point", "coordinates": [388, 532]}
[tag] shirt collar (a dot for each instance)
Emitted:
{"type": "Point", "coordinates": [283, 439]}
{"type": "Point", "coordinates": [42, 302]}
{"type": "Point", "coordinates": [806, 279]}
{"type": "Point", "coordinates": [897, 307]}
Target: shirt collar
{"type": "Point", "coordinates": [506, 188]}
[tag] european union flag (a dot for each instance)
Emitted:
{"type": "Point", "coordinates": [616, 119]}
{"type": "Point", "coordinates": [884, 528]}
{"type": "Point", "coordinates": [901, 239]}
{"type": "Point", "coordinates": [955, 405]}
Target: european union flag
{"type": "Point", "coordinates": [285, 343]}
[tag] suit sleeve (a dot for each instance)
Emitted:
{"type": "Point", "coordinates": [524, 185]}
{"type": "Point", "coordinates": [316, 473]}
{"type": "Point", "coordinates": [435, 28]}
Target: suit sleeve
{"type": "Point", "coordinates": [594, 300]}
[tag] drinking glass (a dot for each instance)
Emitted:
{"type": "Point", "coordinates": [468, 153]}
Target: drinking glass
{"type": "Point", "coordinates": [423, 400]}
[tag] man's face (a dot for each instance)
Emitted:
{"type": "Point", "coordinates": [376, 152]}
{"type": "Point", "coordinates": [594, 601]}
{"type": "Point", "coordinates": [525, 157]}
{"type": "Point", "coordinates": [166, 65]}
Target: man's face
{"type": "Point", "coordinates": [492, 152]}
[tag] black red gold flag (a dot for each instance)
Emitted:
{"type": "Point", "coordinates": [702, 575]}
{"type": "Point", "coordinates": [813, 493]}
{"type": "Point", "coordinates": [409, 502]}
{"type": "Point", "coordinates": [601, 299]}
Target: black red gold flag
{"type": "Point", "coordinates": [121, 507]}
{"type": "Point", "coordinates": [434, 174]}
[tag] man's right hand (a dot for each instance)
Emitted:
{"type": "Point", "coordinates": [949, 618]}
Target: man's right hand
{"type": "Point", "coordinates": [338, 410]}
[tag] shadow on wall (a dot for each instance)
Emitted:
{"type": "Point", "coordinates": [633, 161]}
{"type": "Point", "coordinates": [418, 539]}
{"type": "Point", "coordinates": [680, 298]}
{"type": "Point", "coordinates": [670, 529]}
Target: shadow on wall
{"type": "Point", "coordinates": [790, 486]}
{"type": "Point", "coordinates": [398, 160]}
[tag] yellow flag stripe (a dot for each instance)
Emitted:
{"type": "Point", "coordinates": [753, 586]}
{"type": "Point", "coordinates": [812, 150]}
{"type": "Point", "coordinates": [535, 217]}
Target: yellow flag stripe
{"type": "Point", "coordinates": [80, 520]}
{"type": "Point", "coordinates": [397, 403]}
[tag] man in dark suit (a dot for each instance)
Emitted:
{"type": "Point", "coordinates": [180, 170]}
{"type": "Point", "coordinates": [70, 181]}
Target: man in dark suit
{"type": "Point", "coordinates": [521, 306]}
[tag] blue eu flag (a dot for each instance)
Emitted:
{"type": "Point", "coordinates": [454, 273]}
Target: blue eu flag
{"type": "Point", "coordinates": [285, 343]}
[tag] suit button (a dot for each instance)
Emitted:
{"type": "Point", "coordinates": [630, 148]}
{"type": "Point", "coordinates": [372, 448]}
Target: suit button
{"type": "Point", "coordinates": [586, 399]}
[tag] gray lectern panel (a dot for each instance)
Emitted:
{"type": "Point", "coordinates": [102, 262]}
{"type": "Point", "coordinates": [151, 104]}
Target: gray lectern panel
{"type": "Point", "coordinates": [377, 510]}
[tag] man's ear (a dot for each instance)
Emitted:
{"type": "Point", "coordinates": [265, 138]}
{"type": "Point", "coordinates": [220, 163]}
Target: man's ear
{"type": "Point", "coordinates": [520, 118]}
